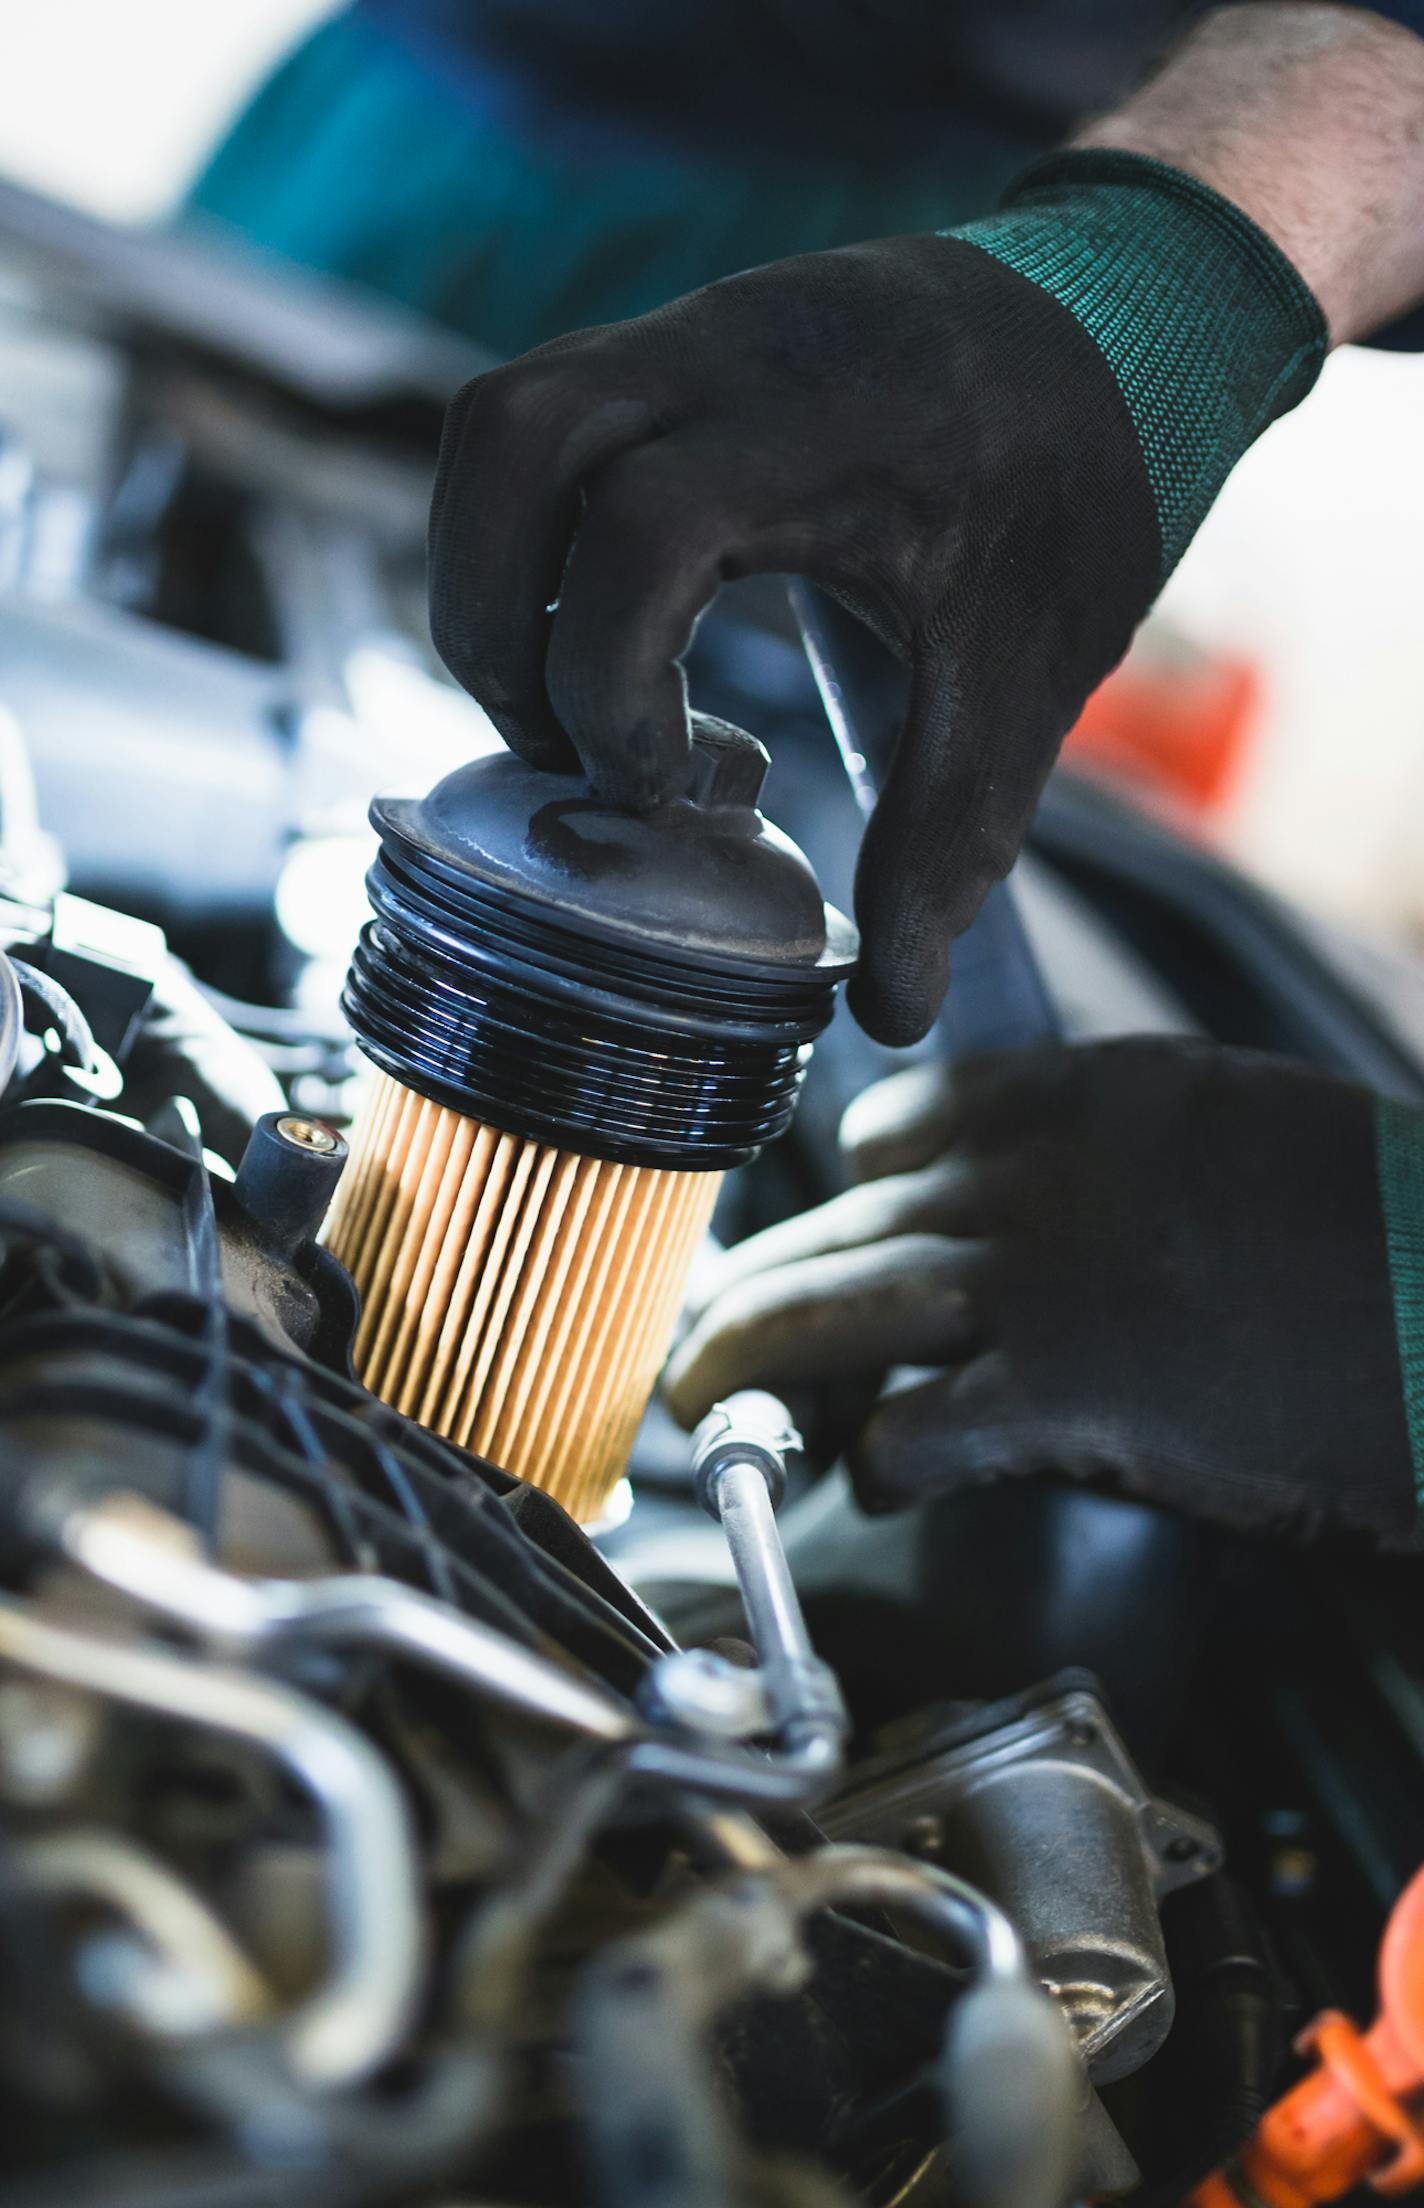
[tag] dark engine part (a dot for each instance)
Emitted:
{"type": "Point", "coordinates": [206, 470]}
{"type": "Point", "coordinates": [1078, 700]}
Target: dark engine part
{"type": "Point", "coordinates": [149, 1216]}
{"type": "Point", "coordinates": [1039, 1802]}
{"type": "Point", "coordinates": [300, 1717]}
{"type": "Point", "coordinates": [624, 1948]}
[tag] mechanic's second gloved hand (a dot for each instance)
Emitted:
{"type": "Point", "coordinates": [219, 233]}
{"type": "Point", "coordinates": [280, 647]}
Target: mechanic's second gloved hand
{"type": "Point", "coordinates": [992, 445]}
{"type": "Point", "coordinates": [1192, 1273]}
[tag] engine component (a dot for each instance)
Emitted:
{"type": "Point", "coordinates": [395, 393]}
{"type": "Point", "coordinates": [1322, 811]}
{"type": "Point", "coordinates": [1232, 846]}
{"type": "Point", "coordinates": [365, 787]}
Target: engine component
{"type": "Point", "coordinates": [93, 1006]}
{"type": "Point", "coordinates": [647, 2003]}
{"type": "Point", "coordinates": [157, 1229]}
{"type": "Point", "coordinates": [171, 1458]}
{"type": "Point", "coordinates": [739, 1457]}
{"type": "Point", "coordinates": [107, 959]}
{"type": "Point", "coordinates": [82, 988]}
{"type": "Point", "coordinates": [148, 1210]}
{"type": "Point", "coordinates": [1357, 2117]}
{"type": "Point", "coordinates": [151, 1557]}
{"type": "Point", "coordinates": [579, 1018]}
{"type": "Point", "coordinates": [1039, 1802]}
{"type": "Point", "coordinates": [343, 2031]}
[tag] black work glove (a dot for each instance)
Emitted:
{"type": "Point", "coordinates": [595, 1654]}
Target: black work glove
{"type": "Point", "coordinates": [1191, 1273]}
{"type": "Point", "coordinates": [992, 445]}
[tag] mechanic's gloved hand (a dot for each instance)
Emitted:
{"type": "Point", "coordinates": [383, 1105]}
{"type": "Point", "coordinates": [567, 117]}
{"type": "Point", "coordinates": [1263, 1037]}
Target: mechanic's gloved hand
{"type": "Point", "coordinates": [1192, 1273]}
{"type": "Point", "coordinates": [992, 445]}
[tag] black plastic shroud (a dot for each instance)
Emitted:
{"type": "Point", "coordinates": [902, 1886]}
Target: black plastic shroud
{"type": "Point", "coordinates": [638, 988]}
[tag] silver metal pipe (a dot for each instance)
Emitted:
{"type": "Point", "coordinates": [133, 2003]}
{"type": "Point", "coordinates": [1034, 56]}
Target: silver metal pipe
{"type": "Point", "coordinates": [1012, 2084]}
{"type": "Point", "coordinates": [131, 1546]}
{"type": "Point", "coordinates": [1008, 2073]}
{"type": "Point", "coordinates": [162, 1908]}
{"type": "Point", "coordinates": [739, 1497]}
{"type": "Point", "coordinates": [739, 1462]}
{"type": "Point", "coordinates": [351, 2024]}
{"type": "Point", "coordinates": [384, 1613]}
{"type": "Point", "coordinates": [961, 1918]}
{"type": "Point", "coordinates": [143, 1552]}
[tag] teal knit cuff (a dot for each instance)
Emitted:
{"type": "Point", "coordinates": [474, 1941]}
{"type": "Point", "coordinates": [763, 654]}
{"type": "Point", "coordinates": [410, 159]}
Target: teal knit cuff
{"type": "Point", "coordinates": [1399, 1162]}
{"type": "Point", "coordinates": [1207, 327]}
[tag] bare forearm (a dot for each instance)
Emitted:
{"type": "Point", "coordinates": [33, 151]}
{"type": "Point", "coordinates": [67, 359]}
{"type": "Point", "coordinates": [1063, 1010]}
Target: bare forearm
{"type": "Point", "coordinates": [1311, 118]}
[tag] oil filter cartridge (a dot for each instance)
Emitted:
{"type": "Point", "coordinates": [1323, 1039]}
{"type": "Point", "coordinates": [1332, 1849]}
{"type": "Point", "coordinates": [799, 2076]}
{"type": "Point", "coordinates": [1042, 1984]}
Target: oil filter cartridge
{"type": "Point", "coordinates": [577, 1018]}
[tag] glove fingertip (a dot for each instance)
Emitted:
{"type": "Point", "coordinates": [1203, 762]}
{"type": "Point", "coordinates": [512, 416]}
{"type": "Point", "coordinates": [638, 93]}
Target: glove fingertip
{"type": "Point", "coordinates": [647, 767]}
{"type": "Point", "coordinates": [629, 724]}
{"type": "Point", "coordinates": [539, 742]}
{"type": "Point", "coordinates": [905, 936]}
{"type": "Point", "coordinates": [896, 998]}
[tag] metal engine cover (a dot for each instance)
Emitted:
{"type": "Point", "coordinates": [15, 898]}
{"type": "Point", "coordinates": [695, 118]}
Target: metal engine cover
{"type": "Point", "coordinates": [1038, 1802]}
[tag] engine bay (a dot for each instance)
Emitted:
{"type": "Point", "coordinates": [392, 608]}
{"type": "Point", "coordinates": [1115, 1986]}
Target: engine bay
{"type": "Point", "coordinates": [376, 1829]}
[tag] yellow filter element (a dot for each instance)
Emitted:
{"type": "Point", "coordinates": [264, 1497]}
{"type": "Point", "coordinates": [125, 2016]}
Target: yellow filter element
{"type": "Point", "coordinates": [516, 1298]}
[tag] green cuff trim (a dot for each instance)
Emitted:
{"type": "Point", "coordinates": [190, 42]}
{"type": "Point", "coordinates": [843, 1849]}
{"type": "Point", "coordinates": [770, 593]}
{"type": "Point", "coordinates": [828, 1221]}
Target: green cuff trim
{"type": "Point", "coordinates": [1207, 327]}
{"type": "Point", "coordinates": [1399, 1162]}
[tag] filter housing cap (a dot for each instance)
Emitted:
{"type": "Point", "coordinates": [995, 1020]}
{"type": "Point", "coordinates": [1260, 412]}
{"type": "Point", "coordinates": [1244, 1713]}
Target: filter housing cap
{"type": "Point", "coordinates": [703, 876]}
{"type": "Point", "coordinates": [639, 987]}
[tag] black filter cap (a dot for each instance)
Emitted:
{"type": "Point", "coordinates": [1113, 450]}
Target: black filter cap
{"type": "Point", "coordinates": [642, 987]}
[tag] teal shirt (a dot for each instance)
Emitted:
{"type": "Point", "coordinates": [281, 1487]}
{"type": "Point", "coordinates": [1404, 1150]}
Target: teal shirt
{"type": "Point", "coordinates": [359, 159]}
{"type": "Point", "coordinates": [503, 186]}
